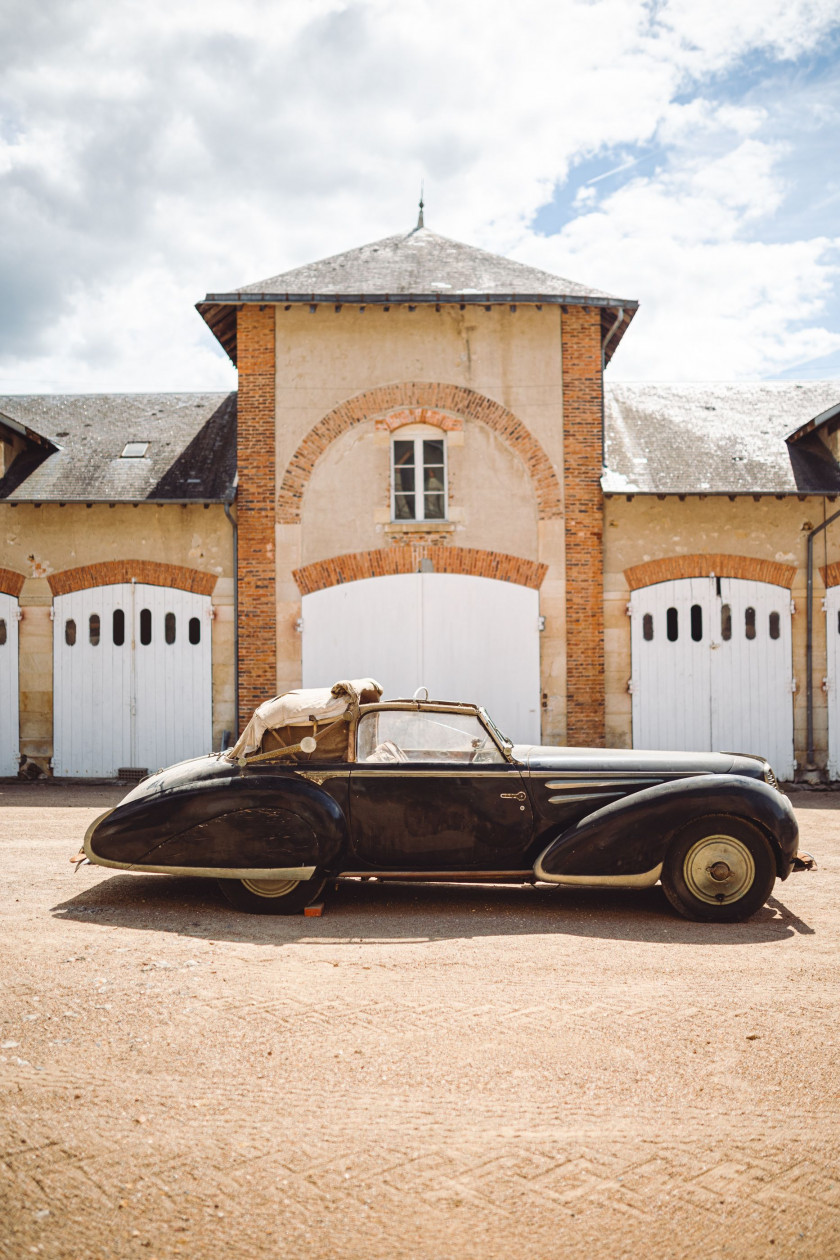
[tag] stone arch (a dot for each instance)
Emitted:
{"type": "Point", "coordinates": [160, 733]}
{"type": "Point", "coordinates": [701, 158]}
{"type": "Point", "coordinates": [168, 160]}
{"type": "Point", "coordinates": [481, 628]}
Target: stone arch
{"type": "Point", "coordinates": [708, 565]}
{"type": "Point", "coordinates": [11, 583]}
{"type": "Point", "coordinates": [450, 402]}
{"type": "Point", "coordinates": [111, 572]}
{"type": "Point", "coordinates": [386, 561]}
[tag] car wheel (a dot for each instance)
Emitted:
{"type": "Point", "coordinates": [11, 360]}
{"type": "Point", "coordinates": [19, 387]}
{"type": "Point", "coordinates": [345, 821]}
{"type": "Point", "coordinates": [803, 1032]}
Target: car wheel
{"type": "Point", "coordinates": [718, 869]}
{"type": "Point", "coordinates": [272, 896]}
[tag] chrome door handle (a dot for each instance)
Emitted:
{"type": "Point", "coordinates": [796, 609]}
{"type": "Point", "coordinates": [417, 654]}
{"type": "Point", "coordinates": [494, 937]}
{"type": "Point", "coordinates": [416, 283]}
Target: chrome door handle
{"type": "Point", "coordinates": [513, 796]}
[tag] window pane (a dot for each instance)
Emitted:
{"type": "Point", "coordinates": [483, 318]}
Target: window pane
{"type": "Point", "coordinates": [726, 622]}
{"type": "Point", "coordinates": [434, 507]}
{"type": "Point", "coordinates": [2, 632]}
{"type": "Point", "coordinates": [403, 453]}
{"type": "Point", "coordinates": [749, 623]}
{"type": "Point", "coordinates": [404, 480]}
{"type": "Point", "coordinates": [145, 626]}
{"type": "Point", "coordinates": [93, 629]}
{"type": "Point", "coordinates": [169, 628]}
{"type": "Point", "coordinates": [70, 632]}
{"type": "Point", "coordinates": [393, 735]}
{"type": "Point", "coordinates": [433, 452]}
{"type": "Point", "coordinates": [404, 507]}
{"type": "Point", "coordinates": [194, 631]}
{"type": "Point", "coordinates": [119, 627]}
{"type": "Point", "coordinates": [433, 479]}
{"type": "Point", "coordinates": [696, 622]}
{"type": "Point", "coordinates": [647, 627]}
{"type": "Point", "coordinates": [775, 625]}
{"type": "Point", "coordinates": [672, 628]}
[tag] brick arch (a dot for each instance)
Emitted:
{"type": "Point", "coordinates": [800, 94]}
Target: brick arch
{"type": "Point", "coordinates": [454, 400]}
{"type": "Point", "coordinates": [11, 583]}
{"type": "Point", "coordinates": [708, 565]}
{"type": "Point", "coordinates": [830, 574]}
{"type": "Point", "coordinates": [419, 415]}
{"type": "Point", "coordinates": [112, 572]}
{"type": "Point", "coordinates": [387, 561]}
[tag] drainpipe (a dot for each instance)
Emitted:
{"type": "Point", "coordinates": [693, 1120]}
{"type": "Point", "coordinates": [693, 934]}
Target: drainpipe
{"type": "Point", "coordinates": [809, 643]}
{"type": "Point", "coordinates": [619, 317]}
{"type": "Point", "coordinates": [235, 529]}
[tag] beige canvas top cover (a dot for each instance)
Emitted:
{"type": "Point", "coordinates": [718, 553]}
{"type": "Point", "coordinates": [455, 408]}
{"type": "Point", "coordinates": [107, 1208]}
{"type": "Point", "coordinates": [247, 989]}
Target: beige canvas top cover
{"type": "Point", "coordinates": [293, 708]}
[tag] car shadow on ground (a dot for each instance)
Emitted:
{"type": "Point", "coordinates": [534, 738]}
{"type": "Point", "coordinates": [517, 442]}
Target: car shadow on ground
{"type": "Point", "coordinates": [412, 914]}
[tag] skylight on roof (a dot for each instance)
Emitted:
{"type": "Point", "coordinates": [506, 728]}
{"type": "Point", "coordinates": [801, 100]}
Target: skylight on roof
{"type": "Point", "coordinates": [134, 450]}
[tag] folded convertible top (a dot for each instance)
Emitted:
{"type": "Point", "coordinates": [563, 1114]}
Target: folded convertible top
{"type": "Point", "coordinates": [309, 704]}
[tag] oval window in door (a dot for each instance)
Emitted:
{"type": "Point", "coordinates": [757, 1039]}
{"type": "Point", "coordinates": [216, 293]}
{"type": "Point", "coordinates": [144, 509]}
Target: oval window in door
{"type": "Point", "coordinates": [145, 626]}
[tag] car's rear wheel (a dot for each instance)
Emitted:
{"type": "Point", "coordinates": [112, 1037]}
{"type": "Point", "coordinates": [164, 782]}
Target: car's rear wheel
{"type": "Point", "coordinates": [272, 896]}
{"type": "Point", "coordinates": [718, 869]}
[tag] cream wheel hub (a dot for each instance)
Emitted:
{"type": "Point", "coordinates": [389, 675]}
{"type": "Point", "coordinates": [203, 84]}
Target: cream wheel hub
{"type": "Point", "coordinates": [719, 869]}
{"type": "Point", "coordinates": [270, 887]}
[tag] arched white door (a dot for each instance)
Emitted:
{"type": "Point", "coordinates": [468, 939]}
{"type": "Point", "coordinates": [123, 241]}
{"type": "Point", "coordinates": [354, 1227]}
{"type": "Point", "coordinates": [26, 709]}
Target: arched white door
{"type": "Point", "coordinates": [832, 644]}
{"type": "Point", "coordinates": [465, 638]}
{"type": "Point", "coordinates": [9, 717]}
{"type": "Point", "coordinates": [712, 668]}
{"type": "Point", "coordinates": [132, 679]}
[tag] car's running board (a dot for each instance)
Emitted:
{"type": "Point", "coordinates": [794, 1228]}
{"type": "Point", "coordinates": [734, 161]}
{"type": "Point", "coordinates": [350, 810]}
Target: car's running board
{"type": "Point", "coordinates": [646, 879]}
{"type": "Point", "coordinates": [446, 877]}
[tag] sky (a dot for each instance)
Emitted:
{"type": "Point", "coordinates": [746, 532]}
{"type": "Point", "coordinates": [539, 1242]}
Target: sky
{"type": "Point", "coordinates": [682, 154]}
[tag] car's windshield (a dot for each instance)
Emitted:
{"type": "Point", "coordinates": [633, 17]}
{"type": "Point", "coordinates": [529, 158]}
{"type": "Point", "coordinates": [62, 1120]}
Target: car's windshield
{"type": "Point", "coordinates": [502, 738]}
{"type": "Point", "coordinates": [409, 735]}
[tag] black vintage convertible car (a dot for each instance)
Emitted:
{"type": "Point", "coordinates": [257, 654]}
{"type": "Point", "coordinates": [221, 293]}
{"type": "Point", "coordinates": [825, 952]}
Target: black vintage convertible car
{"type": "Point", "coordinates": [334, 784]}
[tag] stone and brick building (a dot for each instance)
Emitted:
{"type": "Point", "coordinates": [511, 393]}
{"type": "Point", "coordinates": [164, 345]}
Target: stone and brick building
{"type": "Point", "coordinates": [423, 475]}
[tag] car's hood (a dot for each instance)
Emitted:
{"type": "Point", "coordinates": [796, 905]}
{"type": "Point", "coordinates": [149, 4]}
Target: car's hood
{"type": "Point", "coordinates": [604, 760]}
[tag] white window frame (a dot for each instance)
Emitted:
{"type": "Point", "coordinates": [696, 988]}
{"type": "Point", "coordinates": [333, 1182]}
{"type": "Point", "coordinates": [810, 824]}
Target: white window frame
{"type": "Point", "coordinates": [418, 434]}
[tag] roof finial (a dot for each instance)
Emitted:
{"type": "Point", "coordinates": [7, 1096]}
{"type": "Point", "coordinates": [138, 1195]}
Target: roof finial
{"type": "Point", "coordinates": [420, 215]}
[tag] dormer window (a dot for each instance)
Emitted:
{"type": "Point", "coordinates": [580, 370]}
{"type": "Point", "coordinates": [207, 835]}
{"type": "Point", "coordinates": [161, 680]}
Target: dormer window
{"type": "Point", "coordinates": [418, 481]}
{"type": "Point", "coordinates": [134, 450]}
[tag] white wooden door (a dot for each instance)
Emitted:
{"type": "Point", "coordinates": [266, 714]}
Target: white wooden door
{"type": "Point", "coordinates": [465, 638]}
{"type": "Point", "coordinates": [712, 668]}
{"type": "Point", "coordinates": [832, 643]}
{"type": "Point", "coordinates": [132, 679]}
{"type": "Point", "coordinates": [9, 717]}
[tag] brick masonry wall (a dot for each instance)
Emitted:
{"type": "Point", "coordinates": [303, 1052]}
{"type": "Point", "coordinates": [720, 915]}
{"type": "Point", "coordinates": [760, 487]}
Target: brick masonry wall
{"type": "Point", "coordinates": [582, 458]}
{"type": "Point", "coordinates": [356, 565]}
{"type": "Point", "coordinates": [255, 508]}
{"type": "Point", "coordinates": [112, 572]}
{"type": "Point", "coordinates": [708, 564]}
{"type": "Point", "coordinates": [412, 395]}
{"type": "Point", "coordinates": [11, 583]}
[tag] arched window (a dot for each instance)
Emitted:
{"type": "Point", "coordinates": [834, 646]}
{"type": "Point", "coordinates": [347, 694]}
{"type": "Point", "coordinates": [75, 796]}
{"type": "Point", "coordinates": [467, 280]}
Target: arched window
{"type": "Point", "coordinates": [418, 474]}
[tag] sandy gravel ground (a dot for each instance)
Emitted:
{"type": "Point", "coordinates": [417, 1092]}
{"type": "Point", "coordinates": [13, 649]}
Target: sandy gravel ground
{"type": "Point", "coordinates": [426, 1073]}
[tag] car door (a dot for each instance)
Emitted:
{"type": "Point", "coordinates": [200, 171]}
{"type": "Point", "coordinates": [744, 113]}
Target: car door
{"type": "Point", "coordinates": [430, 791]}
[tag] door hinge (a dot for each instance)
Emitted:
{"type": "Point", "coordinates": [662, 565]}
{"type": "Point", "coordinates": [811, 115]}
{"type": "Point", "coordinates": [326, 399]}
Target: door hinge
{"type": "Point", "coordinates": [631, 686]}
{"type": "Point", "coordinates": [17, 615]}
{"type": "Point", "coordinates": [211, 612]}
{"type": "Point", "coordinates": [52, 614]}
{"type": "Point", "coordinates": [793, 686]}
{"type": "Point", "coordinates": [299, 626]}
{"type": "Point", "coordinates": [825, 685]}
{"type": "Point", "coordinates": [628, 608]}
{"type": "Point", "coordinates": [793, 607]}
{"type": "Point", "coordinates": [541, 623]}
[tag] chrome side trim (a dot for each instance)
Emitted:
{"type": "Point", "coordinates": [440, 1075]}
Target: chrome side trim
{"type": "Point", "coordinates": [461, 877]}
{"type": "Point", "coordinates": [584, 796]}
{"type": "Point", "coordinates": [619, 784]}
{"type": "Point", "coordinates": [207, 872]}
{"type": "Point", "coordinates": [448, 769]}
{"type": "Point", "coordinates": [646, 879]}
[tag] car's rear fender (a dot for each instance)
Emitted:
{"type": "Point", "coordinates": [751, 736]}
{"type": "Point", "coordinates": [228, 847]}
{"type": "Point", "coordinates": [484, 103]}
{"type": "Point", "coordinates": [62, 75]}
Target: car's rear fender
{"type": "Point", "coordinates": [266, 824]}
{"type": "Point", "coordinates": [626, 842]}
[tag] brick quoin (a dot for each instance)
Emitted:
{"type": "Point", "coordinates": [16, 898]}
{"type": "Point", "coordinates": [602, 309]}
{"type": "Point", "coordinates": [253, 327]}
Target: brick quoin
{"type": "Point", "coordinates": [413, 396]}
{"type": "Point", "coordinates": [711, 564]}
{"type": "Point", "coordinates": [384, 562]}
{"type": "Point", "coordinates": [11, 583]}
{"type": "Point", "coordinates": [255, 507]}
{"type": "Point", "coordinates": [582, 459]}
{"type": "Point", "coordinates": [113, 572]}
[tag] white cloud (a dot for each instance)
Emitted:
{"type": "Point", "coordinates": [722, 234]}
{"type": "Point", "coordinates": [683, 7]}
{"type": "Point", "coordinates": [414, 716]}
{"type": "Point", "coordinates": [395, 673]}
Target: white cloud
{"type": "Point", "coordinates": [150, 152]}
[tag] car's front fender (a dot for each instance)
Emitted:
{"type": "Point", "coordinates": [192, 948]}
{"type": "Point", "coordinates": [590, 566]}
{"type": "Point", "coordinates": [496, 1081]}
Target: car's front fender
{"type": "Point", "coordinates": [625, 843]}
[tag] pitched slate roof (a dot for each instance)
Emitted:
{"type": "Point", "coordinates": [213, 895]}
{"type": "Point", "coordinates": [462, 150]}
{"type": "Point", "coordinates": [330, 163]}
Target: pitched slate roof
{"type": "Point", "coordinates": [713, 438]}
{"type": "Point", "coordinates": [415, 267]}
{"type": "Point", "coordinates": [191, 453]}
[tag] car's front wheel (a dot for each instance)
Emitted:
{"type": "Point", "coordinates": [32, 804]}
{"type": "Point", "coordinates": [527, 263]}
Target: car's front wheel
{"type": "Point", "coordinates": [272, 896]}
{"type": "Point", "coordinates": [718, 869]}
